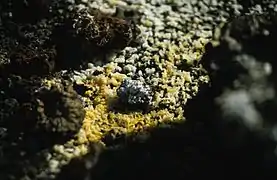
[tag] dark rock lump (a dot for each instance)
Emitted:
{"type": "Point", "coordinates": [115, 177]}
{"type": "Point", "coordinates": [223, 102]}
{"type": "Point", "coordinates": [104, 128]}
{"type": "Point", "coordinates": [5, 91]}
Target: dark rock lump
{"type": "Point", "coordinates": [55, 111]}
{"type": "Point", "coordinates": [241, 100]}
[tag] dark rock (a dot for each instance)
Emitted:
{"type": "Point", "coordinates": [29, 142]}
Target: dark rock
{"type": "Point", "coordinates": [239, 106]}
{"type": "Point", "coordinates": [92, 34]}
{"type": "Point", "coordinates": [26, 11]}
{"type": "Point", "coordinates": [134, 95]}
{"type": "Point", "coordinates": [56, 112]}
{"type": "Point", "coordinates": [28, 61]}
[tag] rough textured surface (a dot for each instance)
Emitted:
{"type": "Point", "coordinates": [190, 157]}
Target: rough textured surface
{"type": "Point", "coordinates": [41, 110]}
{"type": "Point", "coordinates": [27, 61]}
{"type": "Point", "coordinates": [87, 34]}
{"type": "Point", "coordinates": [134, 94]}
{"type": "Point", "coordinates": [172, 40]}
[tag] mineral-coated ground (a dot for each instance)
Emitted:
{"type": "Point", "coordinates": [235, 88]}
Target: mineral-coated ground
{"type": "Point", "coordinates": [173, 32]}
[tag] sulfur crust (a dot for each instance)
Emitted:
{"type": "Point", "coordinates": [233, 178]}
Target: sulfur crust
{"type": "Point", "coordinates": [99, 120]}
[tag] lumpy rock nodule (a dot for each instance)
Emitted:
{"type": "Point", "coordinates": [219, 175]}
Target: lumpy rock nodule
{"type": "Point", "coordinates": [43, 111]}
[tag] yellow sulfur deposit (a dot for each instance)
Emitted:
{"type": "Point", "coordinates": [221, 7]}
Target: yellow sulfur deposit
{"type": "Point", "coordinates": [100, 119]}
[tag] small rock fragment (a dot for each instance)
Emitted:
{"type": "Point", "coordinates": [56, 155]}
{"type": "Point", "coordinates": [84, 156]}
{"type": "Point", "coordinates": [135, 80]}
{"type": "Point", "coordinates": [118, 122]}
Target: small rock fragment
{"type": "Point", "coordinates": [134, 94]}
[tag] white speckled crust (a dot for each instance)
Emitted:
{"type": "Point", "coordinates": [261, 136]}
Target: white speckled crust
{"type": "Point", "coordinates": [134, 93]}
{"type": "Point", "coordinates": [174, 33]}
{"type": "Point", "coordinates": [171, 37]}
